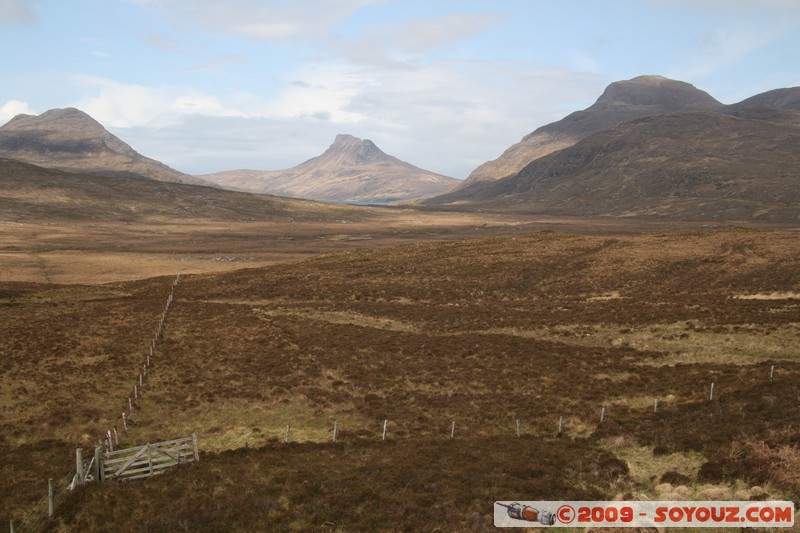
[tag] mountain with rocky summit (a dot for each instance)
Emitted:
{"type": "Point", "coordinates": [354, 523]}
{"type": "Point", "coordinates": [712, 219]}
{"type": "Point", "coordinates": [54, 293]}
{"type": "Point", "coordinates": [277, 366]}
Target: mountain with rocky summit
{"type": "Point", "coordinates": [696, 160]}
{"type": "Point", "coordinates": [351, 170]}
{"type": "Point", "coordinates": [71, 140]}
{"type": "Point", "coordinates": [621, 102]}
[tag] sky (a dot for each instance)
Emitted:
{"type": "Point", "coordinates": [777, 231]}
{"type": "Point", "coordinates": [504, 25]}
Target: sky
{"type": "Point", "coordinates": [206, 86]}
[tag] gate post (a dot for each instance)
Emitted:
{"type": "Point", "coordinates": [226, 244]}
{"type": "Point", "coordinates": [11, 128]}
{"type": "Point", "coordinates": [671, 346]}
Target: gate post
{"type": "Point", "coordinates": [194, 445]}
{"type": "Point", "coordinates": [51, 497]}
{"type": "Point", "coordinates": [98, 464]}
{"type": "Point", "coordinates": [79, 465]}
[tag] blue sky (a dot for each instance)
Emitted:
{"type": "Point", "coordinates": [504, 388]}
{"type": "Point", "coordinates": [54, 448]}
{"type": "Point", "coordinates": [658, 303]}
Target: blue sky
{"type": "Point", "coordinates": [204, 85]}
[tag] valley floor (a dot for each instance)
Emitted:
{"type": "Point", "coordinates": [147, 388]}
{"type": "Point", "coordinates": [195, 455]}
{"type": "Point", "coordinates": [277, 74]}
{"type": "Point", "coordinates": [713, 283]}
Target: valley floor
{"type": "Point", "coordinates": [484, 325]}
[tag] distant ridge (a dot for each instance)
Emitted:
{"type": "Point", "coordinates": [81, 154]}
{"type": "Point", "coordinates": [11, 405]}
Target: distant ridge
{"type": "Point", "coordinates": [788, 98]}
{"type": "Point", "coordinates": [69, 139]}
{"type": "Point", "coordinates": [351, 170]}
{"type": "Point", "coordinates": [29, 193]}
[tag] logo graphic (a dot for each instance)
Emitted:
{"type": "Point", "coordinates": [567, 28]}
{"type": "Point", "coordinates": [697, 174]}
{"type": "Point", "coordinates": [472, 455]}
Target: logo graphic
{"type": "Point", "coordinates": [659, 514]}
{"type": "Point", "coordinates": [517, 511]}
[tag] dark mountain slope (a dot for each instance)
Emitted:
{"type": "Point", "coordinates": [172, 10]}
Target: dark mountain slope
{"type": "Point", "coordinates": [687, 165]}
{"type": "Point", "coordinates": [621, 102]}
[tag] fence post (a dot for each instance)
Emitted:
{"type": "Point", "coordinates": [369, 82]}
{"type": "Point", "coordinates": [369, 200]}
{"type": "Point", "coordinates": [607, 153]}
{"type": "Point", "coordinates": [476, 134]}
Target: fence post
{"type": "Point", "coordinates": [385, 423]}
{"type": "Point", "coordinates": [518, 432]}
{"type": "Point", "coordinates": [711, 396]}
{"type": "Point", "coordinates": [335, 428]}
{"type": "Point", "coordinates": [51, 497]}
{"type": "Point", "coordinates": [79, 464]}
{"type": "Point", "coordinates": [602, 413]}
{"type": "Point", "coordinates": [124, 420]}
{"type": "Point", "coordinates": [98, 467]}
{"type": "Point", "coordinates": [116, 436]}
{"type": "Point", "coordinates": [560, 424]}
{"type": "Point", "coordinates": [655, 406]}
{"type": "Point", "coordinates": [452, 429]}
{"type": "Point", "coordinates": [12, 528]}
{"type": "Point", "coordinates": [288, 433]}
{"type": "Point", "coordinates": [194, 445]}
{"type": "Point", "coordinates": [771, 371]}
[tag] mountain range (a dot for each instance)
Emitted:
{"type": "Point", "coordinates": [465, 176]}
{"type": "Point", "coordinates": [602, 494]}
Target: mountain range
{"type": "Point", "coordinates": [351, 170]}
{"type": "Point", "coordinates": [648, 147]}
{"type": "Point", "coordinates": [651, 147]}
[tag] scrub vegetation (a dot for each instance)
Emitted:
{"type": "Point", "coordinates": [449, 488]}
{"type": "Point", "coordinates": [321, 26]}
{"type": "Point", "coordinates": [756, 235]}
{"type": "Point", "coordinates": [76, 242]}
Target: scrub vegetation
{"type": "Point", "coordinates": [482, 332]}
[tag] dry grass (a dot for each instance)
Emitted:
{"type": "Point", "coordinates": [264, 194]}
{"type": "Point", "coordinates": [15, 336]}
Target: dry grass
{"type": "Point", "coordinates": [681, 342]}
{"type": "Point", "coordinates": [103, 250]}
{"type": "Point", "coordinates": [107, 251]}
{"type": "Point", "coordinates": [411, 485]}
{"type": "Point", "coordinates": [789, 295]}
{"type": "Point", "coordinates": [481, 332]}
{"type": "Point", "coordinates": [646, 468]}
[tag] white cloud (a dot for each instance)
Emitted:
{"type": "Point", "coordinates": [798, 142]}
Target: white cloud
{"type": "Point", "coordinates": [130, 105]}
{"type": "Point", "coordinates": [724, 47]}
{"type": "Point", "coordinates": [13, 108]}
{"type": "Point", "coordinates": [737, 5]}
{"type": "Point", "coordinates": [253, 19]}
{"type": "Point", "coordinates": [585, 62]}
{"type": "Point", "coordinates": [124, 105]}
{"type": "Point", "coordinates": [424, 34]}
{"type": "Point", "coordinates": [14, 12]}
{"type": "Point", "coordinates": [321, 90]}
{"type": "Point", "coordinates": [218, 62]}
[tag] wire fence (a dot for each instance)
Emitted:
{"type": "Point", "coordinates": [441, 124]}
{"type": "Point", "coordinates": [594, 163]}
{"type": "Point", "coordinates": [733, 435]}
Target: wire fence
{"type": "Point", "coordinates": [39, 515]}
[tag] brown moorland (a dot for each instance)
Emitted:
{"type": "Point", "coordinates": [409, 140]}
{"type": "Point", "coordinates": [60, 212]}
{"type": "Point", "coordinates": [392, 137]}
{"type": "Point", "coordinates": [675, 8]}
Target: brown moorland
{"type": "Point", "coordinates": [61, 227]}
{"type": "Point", "coordinates": [534, 327]}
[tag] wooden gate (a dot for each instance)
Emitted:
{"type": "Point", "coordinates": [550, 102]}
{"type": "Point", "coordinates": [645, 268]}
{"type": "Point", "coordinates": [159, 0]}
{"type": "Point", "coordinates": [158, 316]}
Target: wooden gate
{"type": "Point", "coordinates": [148, 460]}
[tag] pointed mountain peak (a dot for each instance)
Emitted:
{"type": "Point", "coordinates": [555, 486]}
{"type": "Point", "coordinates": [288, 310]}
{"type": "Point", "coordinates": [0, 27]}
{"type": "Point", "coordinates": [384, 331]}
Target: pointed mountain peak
{"type": "Point", "coordinates": [351, 170]}
{"type": "Point", "coordinates": [344, 141]}
{"type": "Point", "coordinates": [357, 151]}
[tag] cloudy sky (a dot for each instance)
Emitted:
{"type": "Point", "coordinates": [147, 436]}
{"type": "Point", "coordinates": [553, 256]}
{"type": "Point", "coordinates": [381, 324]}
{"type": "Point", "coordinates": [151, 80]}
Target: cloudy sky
{"type": "Point", "coordinates": [206, 85]}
